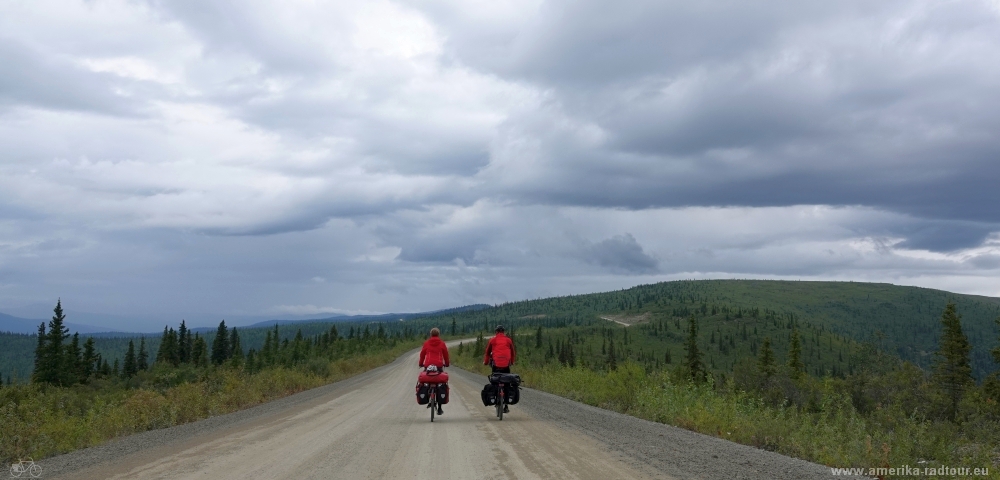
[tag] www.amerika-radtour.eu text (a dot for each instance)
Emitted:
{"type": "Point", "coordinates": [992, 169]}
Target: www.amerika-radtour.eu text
{"type": "Point", "coordinates": [913, 471]}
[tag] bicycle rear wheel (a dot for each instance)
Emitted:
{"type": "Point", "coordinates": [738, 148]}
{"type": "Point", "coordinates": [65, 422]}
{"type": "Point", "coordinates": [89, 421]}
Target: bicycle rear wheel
{"type": "Point", "coordinates": [433, 404]}
{"type": "Point", "coordinates": [501, 401]}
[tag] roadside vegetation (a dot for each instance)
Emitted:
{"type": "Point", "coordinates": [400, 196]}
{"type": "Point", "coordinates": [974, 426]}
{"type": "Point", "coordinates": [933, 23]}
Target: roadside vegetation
{"type": "Point", "coordinates": [882, 411]}
{"type": "Point", "coordinates": [76, 399]}
{"type": "Point", "coordinates": [840, 373]}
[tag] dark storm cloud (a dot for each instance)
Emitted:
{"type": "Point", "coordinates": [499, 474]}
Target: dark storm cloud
{"type": "Point", "coordinates": [622, 253]}
{"type": "Point", "coordinates": [986, 261]}
{"type": "Point", "coordinates": [440, 250]}
{"type": "Point", "coordinates": [887, 105]}
{"type": "Point", "coordinates": [947, 236]}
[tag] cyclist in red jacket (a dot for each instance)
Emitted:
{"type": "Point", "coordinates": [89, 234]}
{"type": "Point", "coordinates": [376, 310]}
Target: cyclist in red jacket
{"type": "Point", "coordinates": [435, 353]}
{"type": "Point", "coordinates": [499, 352]}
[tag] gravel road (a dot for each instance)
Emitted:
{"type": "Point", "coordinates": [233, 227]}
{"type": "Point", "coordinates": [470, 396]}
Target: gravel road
{"type": "Point", "coordinates": [369, 426]}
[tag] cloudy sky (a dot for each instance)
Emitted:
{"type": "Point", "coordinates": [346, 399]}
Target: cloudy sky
{"type": "Point", "coordinates": [195, 159]}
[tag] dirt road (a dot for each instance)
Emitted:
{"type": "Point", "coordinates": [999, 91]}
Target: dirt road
{"type": "Point", "coordinates": [371, 427]}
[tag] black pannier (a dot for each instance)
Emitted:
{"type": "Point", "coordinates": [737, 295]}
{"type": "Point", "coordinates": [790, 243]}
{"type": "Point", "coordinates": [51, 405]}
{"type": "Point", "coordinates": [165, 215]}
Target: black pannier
{"type": "Point", "coordinates": [513, 395]}
{"type": "Point", "coordinates": [443, 393]}
{"type": "Point", "coordinates": [489, 395]}
{"type": "Point", "coordinates": [423, 393]}
{"type": "Point", "coordinates": [508, 378]}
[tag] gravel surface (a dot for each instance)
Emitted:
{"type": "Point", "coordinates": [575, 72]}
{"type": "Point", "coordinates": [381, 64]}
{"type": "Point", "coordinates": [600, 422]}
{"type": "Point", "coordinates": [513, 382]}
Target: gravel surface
{"type": "Point", "coordinates": [368, 426]}
{"type": "Point", "coordinates": [670, 450]}
{"type": "Point", "coordinates": [115, 450]}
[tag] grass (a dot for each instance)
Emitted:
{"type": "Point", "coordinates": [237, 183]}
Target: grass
{"type": "Point", "coordinates": [831, 432]}
{"type": "Point", "coordinates": [40, 421]}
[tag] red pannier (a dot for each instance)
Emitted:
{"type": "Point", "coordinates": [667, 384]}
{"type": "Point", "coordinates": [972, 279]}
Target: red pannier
{"type": "Point", "coordinates": [435, 377]}
{"type": "Point", "coordinates": [444, 393]}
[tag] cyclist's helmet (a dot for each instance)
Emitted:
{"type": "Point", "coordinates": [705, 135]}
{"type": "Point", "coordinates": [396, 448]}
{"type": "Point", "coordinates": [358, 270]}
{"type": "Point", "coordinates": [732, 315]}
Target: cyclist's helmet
{"type": "Point", "coordinates": [499, 329]}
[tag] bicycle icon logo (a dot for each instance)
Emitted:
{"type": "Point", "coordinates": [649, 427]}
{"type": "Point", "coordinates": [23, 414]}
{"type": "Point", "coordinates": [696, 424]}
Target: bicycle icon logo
{"type": "Point", "coordinates": [19, 468]}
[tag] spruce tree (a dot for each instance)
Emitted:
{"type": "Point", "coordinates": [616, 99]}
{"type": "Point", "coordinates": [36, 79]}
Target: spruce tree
{"type": "Point", "coordinates": [199, 351]}
{"type": "Point", "coordinates": [265, 351]}
{"type": "Point", "coordinates": [220, 346]}
{"type": "Point", "coordinates": [174, 353]}
{"type": "Point", "coordinates": [161, 353]}
{"type": "Point", "coordinates": [89, 360]}
{"type": "Point", "coordinates": [765, 362]}
{"type": "Point", "coordinates": [480, 348]}
{"type": "Point", "coordinates": [130, 367]}
{"type": "Point", "coordinates": [98, 371]}
{"type": "Point", "coordinates": [276, 344]}
{"type": "Point", "coordinates": [952, 369]}
{"type": "Point", "coordinates": [454, 327]}
{"type": "Point", "coordinates": [538, 337]}
{"type": "Point", "coordinates": [695, 366]}
{"type": "Point", "coordinates": [795, 365]}
{"type": "Point", "coordinates": [996, 350]}
{"type": "Point", "coordinates": [116, 371]}
{"type": "Point", "coordinates": [73, 362]}
{"type": "Point", "coordinates": [235, 349]}
{"type": "Point", "coordinates": [183, 345]}
{"type": "Point", "coordinates": [168, 351]}
{"type": "Point", "coordinates": [142, 360]}
{"type": "Point", "coordinates": [41, 360]}
{"type": "Point", "coordinates": [55, 361]}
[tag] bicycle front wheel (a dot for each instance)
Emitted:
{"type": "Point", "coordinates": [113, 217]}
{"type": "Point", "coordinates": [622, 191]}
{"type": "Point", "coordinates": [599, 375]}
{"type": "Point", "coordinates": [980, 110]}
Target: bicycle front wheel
{"type": "Point", "coordinates": [35, 471]}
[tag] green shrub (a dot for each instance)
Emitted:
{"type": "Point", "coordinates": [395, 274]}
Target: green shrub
{"type": "Point", "coordinates": [820, 424]}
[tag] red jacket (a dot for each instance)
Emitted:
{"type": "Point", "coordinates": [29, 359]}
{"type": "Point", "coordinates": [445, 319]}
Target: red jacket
{"type": "Point", "coordinates": [501, 350]}
{"type": "Point", "coordinates": [435, 352]}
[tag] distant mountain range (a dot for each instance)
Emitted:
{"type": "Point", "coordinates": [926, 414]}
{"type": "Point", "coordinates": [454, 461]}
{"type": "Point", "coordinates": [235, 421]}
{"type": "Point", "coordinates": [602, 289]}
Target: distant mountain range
{"type": "Point", "coordinates": [385, 317]}
{"type": "Point", "coordinates": [9, 323]}
{"type": "Point", "coordinates": [12, 324]}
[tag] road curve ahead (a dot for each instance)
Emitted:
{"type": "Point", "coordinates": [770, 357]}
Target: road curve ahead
{"type": "Point", "coordinates": [371, 427]}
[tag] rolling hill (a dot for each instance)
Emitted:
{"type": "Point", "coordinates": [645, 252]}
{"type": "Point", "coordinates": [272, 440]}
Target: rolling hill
{"type": "Point", "coordinates": [835, 320]}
